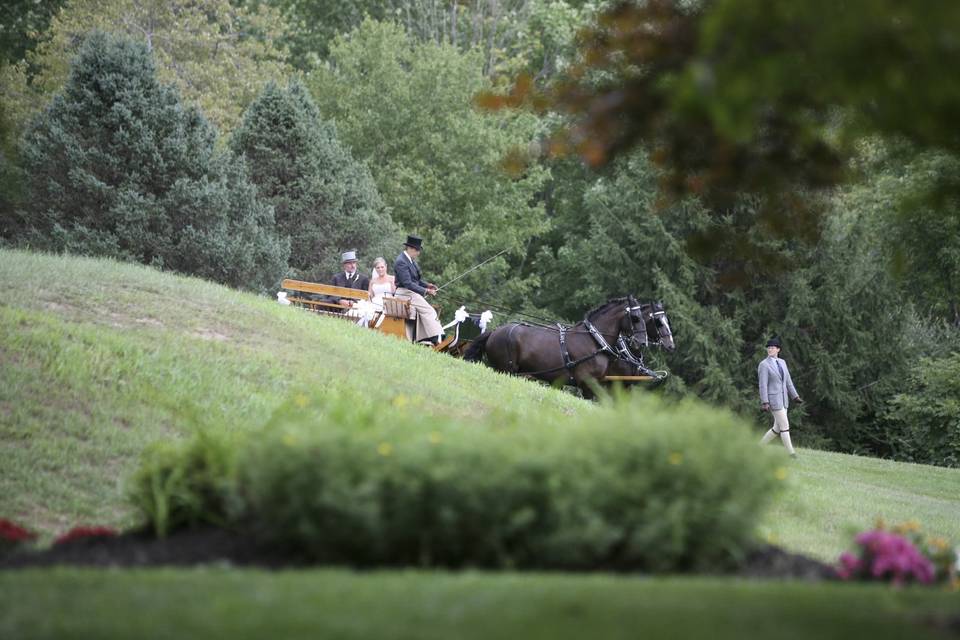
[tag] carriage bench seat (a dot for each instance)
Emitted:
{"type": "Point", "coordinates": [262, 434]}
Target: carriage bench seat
{"type": "Point", "coordinates": [305, 294]}
{"type": "Point", "coordinates": [398, 308]}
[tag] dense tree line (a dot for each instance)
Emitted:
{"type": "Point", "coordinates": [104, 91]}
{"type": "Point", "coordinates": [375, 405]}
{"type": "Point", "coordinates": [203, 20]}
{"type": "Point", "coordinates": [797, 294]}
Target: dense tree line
{"type": "Point", "coordinates": [767, 194]}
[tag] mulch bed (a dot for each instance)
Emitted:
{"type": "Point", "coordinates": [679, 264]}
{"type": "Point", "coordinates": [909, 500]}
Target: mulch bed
{"type": "Point", "coordinates": [217, 546]}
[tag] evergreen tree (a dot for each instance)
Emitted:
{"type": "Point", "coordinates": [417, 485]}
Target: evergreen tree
{"type": "Point", "coordinates": [324, 200]}
{"type": "Point", "coordinates": [609, 239]}
{"type": "Point", "coordinates": [117, 166]}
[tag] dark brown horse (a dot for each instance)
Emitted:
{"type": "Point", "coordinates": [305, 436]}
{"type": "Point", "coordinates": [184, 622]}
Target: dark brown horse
{"type": "Point", "coordinates": [579, 355]}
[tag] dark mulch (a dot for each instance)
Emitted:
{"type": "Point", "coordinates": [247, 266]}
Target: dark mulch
{"type": "Point", "coordinates": [773, 562]}
{"type": "Point", "coordinates": [141, 549]}
{"type": "Point", "coordinates": [217, 546]}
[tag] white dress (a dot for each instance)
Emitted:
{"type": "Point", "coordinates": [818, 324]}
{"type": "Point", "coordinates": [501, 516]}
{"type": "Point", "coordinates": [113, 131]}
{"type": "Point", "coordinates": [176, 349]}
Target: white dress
{"type": "Point", "coordinates": [379, 290]}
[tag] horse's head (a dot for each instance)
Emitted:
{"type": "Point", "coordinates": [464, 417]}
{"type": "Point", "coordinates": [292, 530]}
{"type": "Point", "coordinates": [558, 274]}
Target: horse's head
{"type": "Point", "coordinates": [658, 325]}
{"type": "Point", "coordinates": [639, 324]}
{"type": "Point", "coordinates": [648, 325]}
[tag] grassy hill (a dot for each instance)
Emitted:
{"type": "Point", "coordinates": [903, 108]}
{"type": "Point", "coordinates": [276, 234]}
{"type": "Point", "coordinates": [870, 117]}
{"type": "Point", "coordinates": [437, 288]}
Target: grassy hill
{"type": "Point", "coordinates": [99, 359]}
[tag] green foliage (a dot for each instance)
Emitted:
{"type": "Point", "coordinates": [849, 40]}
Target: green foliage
{"type": "Point", "coordinates": [22, 20]}
{"type": "Point", "coordinates": [217, 54]}
{"type": "Point", "coordinates": [11, 178]}
{"type": "Point", "coordinates": [924, 235]}
{"type": "Point", "coordinates": [721, 93]}
{"type": "Point", "coordinates": [117, 166]}
{"type": "Point", "coordinates": [324, 201]}
{"type": "Point", "coordinates": [180, 485]}
{"type": "Point", "coordinates": [405, 109]}
{"type": "Point", "coordinates": [924, 418]}
{"type": "Point", "coordinates": [510, 34]}
{"type": "Point", "coordinates": [633, 487]}
{"type": "Point", "coordinates": [843, 328]}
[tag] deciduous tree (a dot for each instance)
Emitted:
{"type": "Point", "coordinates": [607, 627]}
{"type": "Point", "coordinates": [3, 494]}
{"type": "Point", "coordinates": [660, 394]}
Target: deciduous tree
{"type": "Point", "coordinates": [218, 55]}
{"type": "Point", "coordinates": [404, 107]}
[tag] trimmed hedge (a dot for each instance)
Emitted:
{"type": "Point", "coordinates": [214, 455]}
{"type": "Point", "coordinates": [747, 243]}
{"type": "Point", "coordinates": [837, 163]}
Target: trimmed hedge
{"type": "Point", "coordinates": [632, 487]}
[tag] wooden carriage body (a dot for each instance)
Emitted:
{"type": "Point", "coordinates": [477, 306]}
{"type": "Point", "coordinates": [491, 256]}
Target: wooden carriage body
{"type": "Point", "coordinates": [396, 317]}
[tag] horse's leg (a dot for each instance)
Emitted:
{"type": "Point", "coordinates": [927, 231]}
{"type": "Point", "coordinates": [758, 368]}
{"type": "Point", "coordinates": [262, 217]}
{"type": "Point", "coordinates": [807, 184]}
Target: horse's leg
{"type": "Point", "coordinates": [589, 376]}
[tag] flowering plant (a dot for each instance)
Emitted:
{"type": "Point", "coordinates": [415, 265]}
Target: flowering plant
{"type": "Point", "coordinates": [901, 555]}
{"type": "Point", "coordinates": [78, 533]}
{"type": "Point", "coordinates": [12, 535]}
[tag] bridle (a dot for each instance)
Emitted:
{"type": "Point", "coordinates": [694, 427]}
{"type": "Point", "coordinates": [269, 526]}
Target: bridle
{"type": "Point", "coordinates": [627, 347]}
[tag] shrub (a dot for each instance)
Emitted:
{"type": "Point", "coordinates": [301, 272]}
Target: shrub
{"type": "Point", "coordinates": [924, 420]}
{"type": "Point", "coordinates": [184, 484]}
{"type": "Point", "coordinates": [632, 487]}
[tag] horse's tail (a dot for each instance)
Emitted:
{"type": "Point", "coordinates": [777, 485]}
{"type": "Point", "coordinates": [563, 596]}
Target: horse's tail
{"type": "Point", "coordinates": [477, 348]}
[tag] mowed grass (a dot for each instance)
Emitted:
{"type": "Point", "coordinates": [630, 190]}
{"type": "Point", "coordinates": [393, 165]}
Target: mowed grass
{"type": "Point", "coordinates": [832, 495]}
{"type": "Point", "coordinates": [239, 604]}
{"type": "Point", "coordinates": [98, 359]}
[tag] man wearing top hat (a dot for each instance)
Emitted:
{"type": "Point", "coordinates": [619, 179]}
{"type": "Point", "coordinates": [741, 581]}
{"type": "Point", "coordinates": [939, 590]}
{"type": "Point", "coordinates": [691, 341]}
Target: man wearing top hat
{"type": "Point", "coordinates": [410, 285]}
{"type": "Point", "coordinates": [776, 390]}
{"type": "Point", "coordinates": [349, 277]}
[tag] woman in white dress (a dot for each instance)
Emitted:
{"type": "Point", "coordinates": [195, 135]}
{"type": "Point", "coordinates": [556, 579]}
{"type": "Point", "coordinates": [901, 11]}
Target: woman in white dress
{"type": "Point", "coordinates": [381, 283]}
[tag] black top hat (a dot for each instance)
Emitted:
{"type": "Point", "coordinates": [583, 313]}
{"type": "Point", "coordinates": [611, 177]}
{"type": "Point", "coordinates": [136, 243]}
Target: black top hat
{"type": "Point", "coordinates": [414, 241]}
{"type": "Point", "coordinates": [774, 342]}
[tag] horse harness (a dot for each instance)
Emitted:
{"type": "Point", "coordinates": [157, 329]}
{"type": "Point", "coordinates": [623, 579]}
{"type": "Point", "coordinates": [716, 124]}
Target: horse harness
{"type": "Point", "coordinates": [622, 352]}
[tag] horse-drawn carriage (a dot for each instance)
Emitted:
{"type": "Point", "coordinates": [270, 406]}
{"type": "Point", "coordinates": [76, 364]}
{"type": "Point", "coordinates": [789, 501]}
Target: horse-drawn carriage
{"type": "Point", "coordinates": [606, 346]}
{"type": "Point", "coordinates": [394, 317]}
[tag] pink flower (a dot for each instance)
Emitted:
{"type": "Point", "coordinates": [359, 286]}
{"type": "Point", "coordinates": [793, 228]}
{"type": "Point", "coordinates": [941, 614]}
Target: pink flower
{"type": "Point", "coordinates": [886, 556]}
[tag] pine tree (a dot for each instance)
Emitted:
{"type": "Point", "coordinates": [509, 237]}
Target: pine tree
{"type": "Point", "coordinates": [117, 166]}
{"type": "Point", "coordinates": [324, 200]}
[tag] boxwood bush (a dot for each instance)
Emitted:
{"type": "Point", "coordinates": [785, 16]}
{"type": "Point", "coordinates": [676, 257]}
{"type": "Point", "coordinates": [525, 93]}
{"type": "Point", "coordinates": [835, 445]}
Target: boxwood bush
{"type": "Point", "coordinates": [636, 486]}
{"type": "Point", "coordinates": [631, 486]}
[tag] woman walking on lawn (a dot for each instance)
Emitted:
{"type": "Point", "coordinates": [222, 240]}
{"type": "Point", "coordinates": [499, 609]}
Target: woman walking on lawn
{"type": "Point", "coordinates": [776, 389]}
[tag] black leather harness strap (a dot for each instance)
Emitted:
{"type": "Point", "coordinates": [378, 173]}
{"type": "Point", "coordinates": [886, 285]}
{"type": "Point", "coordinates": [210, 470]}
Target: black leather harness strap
{"type": "Point", "coordinates": [567, 362]}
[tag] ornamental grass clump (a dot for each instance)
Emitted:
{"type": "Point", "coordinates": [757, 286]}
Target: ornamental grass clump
{"type": "Point", "coordinates": [184, 484]}
{"type": "Point", "coordinates": [639, 486]}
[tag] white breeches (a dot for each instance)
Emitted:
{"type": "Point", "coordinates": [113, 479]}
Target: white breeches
{"type": "Point", "coordinates": [780, 422]}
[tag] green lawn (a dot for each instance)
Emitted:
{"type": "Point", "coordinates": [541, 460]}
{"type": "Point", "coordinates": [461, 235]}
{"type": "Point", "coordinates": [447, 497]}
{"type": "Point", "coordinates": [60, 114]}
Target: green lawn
{"type": "Point", "coordinates": [831, 495]}
{"type": "Point", "coordinates": [232, 603]}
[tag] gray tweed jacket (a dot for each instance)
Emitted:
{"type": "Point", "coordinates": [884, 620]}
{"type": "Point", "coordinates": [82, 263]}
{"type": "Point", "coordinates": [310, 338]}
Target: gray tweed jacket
{"type": "Point", "coordinates": [776, 389]}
